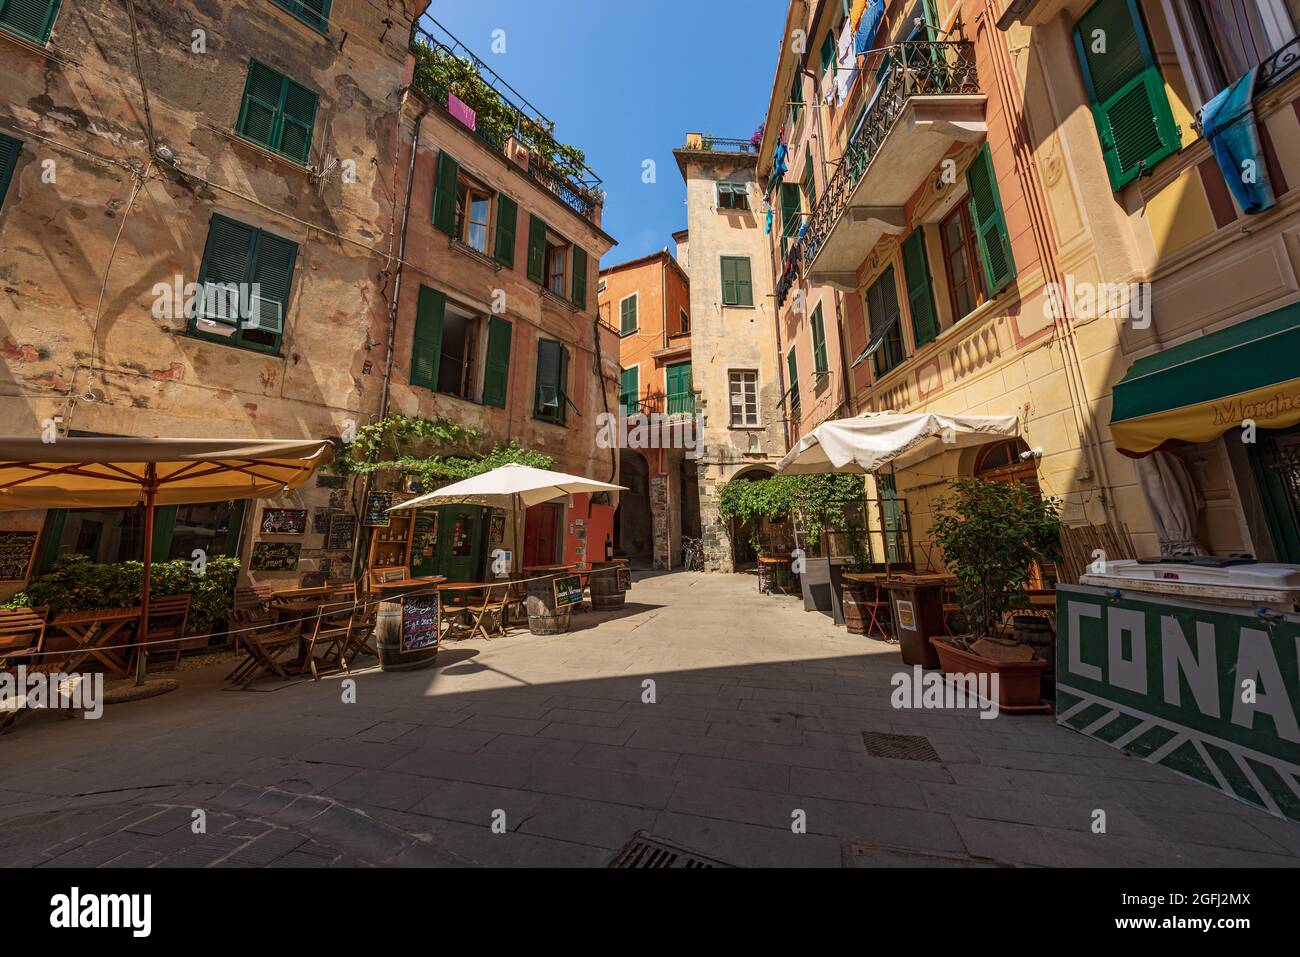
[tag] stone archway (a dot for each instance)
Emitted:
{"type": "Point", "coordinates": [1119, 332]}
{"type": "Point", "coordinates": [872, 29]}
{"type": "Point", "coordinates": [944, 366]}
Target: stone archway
{"type": "Point", "coordinates": [633, 524]}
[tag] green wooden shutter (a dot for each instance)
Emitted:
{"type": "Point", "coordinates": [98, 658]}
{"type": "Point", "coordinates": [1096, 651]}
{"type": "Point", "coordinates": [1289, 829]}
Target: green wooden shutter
{"type": "Point", "coordinates": [496, 376]}
{"type": "Point", "coordinates": [791, 207]}
{"type": "Point", "coordinates": [259, 116]}
{"type": "Point", "coordinates": [810, 178]}
{"type": "Point", "coordinates": [828, 51]}
{"type": "Point", "coordinates": [1129, 105]}
{"type": "Point", "coordinates": [627, 315]}
{"type": "Point", "coordinates": [744, 284]}
{"type": "Point", "coordinates": [164, 524]}
{"type": "Point", "coordinates": [272, 271]}
{"type": "Point", "coordinates": [9, 150]}
{"type": "Point", "coordinates": [426, 348]}
{"type": "Point", "coordinates": [563, 385]}
{"type": "Point", "coordinates": [990, 223]}
{"type": "Point", "coordinates": [227, 262]}
{"type": "Point", "coordinates": [579, 277]}
{"type": "Point", "coordinates": [920, 290]}
{"type": "Point", "coordinates": [446, 183]}
{"type": "Point", "coordinates": [536, 249]}
{"type": "Point", "coordinates": [33, 19]}
{"type": "Point", "coordinates": [297, 122]}
{"type": "Point", "coordinates": [728, 281]}
{"type": "Point", "coordinates": [793, 366]}
{"type": "Point", "coordinates": [507, 221]}
{"type": "Point", "coordinates": [315, 12]}
{"type": "Point", "coordinates": [629, 387]}
{"type": "Point", "coordinates": [818, 324]}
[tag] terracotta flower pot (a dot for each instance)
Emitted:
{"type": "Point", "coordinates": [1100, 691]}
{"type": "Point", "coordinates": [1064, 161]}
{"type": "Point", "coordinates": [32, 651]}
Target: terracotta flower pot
{"type": "Point", "coordinates": [1019, 682]}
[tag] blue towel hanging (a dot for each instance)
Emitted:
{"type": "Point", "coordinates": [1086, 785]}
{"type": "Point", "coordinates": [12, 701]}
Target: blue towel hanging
{"type": "Point", "coordinates": [1228, 122]}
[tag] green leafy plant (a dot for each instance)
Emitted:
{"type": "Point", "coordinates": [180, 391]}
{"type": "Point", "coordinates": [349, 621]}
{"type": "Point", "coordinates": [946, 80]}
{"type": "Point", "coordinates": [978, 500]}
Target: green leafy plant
{"type": "Point", "coordinates": [991, 534]}
{"type": "Point", "coordinates": [822, 500]}
{"type": "Point", "coordinates": [75, 583]}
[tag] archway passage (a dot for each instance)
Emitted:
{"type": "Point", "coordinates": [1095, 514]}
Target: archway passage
{"type": "Point", "coordinates": [633, 525]}
{"type": "Point", "coordinates": [743, 553]}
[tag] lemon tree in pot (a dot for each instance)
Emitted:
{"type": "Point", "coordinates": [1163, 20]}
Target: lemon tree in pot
{"type": "Point", "coordinates": [991, 535]}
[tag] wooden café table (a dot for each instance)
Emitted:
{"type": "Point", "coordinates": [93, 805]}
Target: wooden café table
{"type": "Point", "coordinates": [95, 632]}
{"type": "Point", "coordinates": [479, 610]}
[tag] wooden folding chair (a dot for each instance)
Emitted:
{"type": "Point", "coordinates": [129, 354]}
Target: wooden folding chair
{"type": "Point", "coordinates": [264, 645]}
{"type": "Point", "coordinates": [490, 608]}
{"type": "Point", "coordinates": [332, 633]}
{"type": "Point", "coordinates": [22, 636]}
{"type": "Point", "coordinates": [169, 617]}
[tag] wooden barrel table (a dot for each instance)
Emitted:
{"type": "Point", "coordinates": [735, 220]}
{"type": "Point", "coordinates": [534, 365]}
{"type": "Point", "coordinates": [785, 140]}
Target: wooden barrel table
{"type": "Point", "coordinates": [604, 586]}
{"type": "Point", "coordinates": [543, 617]}
{"type": "Point", "coordinates": [854, 595]}
{"type": "Point", "coordinates": [388, 631]}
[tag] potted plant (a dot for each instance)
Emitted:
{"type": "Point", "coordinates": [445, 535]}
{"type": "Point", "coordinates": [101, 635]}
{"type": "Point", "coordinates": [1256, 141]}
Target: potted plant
{"type": "Point", "coordinates": [991, 535]}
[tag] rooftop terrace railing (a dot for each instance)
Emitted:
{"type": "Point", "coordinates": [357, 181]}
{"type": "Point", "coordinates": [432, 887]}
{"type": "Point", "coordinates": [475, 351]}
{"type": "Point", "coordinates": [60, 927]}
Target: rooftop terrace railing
{"type": "Point", "coordinates": [444, 65]}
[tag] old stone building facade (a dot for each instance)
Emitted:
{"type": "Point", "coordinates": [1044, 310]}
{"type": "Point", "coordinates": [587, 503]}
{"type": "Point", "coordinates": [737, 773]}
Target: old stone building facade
{"type": "Point", "coordinates": [738, 380]}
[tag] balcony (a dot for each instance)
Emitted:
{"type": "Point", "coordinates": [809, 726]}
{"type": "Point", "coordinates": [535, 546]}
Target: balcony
{"type": "Point", "coordinates": [928, 97]}
{"type": "Point", "coordinates": [681, 403]}
{"type": "Point", "coordinates": [503, 118]}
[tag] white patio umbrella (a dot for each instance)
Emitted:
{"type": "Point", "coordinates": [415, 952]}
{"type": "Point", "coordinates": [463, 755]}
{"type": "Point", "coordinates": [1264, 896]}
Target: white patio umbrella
{"type": "Point", "coordinates": [867, 443]}
{"type": "Point", "coordinates": [516, 487]}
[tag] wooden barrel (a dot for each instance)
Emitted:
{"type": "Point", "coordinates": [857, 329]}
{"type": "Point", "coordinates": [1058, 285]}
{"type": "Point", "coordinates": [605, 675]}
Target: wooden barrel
{"type": "Point", "coordinates": [543, 618]}
{"type": "Point", "coordinates": [604, 586]}
{"type": "Point", "coordinates": [388, 642]}
{"type": "Point", "coordinates": [854, 596]}
{"type": "Point", "coordinates": [1036, 632]}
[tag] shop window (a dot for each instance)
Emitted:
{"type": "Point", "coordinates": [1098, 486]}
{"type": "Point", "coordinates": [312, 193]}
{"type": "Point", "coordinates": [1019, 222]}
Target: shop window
{"type": "Point", "coordinates": [277, 113]}
{"type": "Point", "coordinates": [115, 535]}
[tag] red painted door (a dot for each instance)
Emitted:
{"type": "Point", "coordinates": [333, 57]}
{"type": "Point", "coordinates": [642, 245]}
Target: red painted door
{"type": "Point", "coordinates": [541, 524]}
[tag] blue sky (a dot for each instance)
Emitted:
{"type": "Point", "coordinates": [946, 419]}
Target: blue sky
{"type": "Point", "coordinates": [625, 80]}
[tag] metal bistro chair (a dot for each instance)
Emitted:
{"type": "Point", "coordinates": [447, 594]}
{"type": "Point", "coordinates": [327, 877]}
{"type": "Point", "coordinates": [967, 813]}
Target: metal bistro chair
{"type": "Point", "coordinates": [880, 616]}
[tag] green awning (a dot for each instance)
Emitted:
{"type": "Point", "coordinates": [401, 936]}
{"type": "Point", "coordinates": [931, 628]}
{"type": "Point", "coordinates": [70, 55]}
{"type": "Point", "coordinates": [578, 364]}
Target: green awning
{"type": "Point", "coordinates": [1199, 390]}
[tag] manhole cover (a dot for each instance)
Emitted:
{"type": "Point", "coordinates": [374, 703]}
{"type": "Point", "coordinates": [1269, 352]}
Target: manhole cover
{"type": "Point", "coordinates": [646, 851]}
{"type": "Point", "coordinates": [900, 747]}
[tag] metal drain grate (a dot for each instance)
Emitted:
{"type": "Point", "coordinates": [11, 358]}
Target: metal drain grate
{"type": "Point", "coordinates": [900, 747]}
{"type": "Point", "coordinates": [645, 851]}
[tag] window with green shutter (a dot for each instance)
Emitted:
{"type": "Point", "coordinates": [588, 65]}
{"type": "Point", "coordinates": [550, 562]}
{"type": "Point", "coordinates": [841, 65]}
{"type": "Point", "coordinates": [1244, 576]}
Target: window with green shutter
{"type": "Point", "coordinates": [31, 19]}
{"type": "Point", "coordinates": [536, 249]}
{"type": "Point", "coordinates": [315, 12]}
{"type": "Point", "coordinates": [579, 297]}
{"type": "Point", "coordinates": [629, 390]}
{"type": "Point", "coordinates": [920, 290]}
{"type": "Point", "coordinates": [796, 98]}
{"type": "Point", "coordinates": [507, 222]}
{"type": "Point", "coordinates": [426, 343]}
{"type": "Point", "coordinates": [733, 196]}
{"type": "Point", "coordinates": [885, 341]}
{"type": "Point", "coordinates": [809, 179]}
{"type": "Point", "coordinates": [496, 368]}
{"type": "Point", "coordinates": [990, 223]}
{"type": "Point", "coordinates": [244, 284]}
{"type": "Point", "coordinates": [551, 400]}
{"type": "Point", "coordinates": [277, 113]}
{"type": "Point", "coordinates": [1129, 105]}
{"type": "Point", "coordinates": [445, 185]}
{"type": "Point", "coordinates": [828, 51]}
{"type": "Point", "coordinates": [792, 366]}
{"type": "Point", "coordinates": [9, 150]}
{"type": "Point", "coordinates": [737, 284]}
{"type": "Point", "coordinates": [791, 209]}
{"type": "Point", "coordinates": [628, 321]}
{"type": "Point", "coordinates": [818, 325]}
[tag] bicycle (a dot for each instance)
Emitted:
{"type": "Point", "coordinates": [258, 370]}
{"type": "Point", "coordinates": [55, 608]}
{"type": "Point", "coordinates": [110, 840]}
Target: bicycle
{"type": "Point", "coordinates": [693, 554]}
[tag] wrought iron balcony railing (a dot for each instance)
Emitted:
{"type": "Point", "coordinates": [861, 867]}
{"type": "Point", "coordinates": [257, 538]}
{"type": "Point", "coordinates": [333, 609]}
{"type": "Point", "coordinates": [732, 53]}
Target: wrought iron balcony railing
{"type": "Point", "coordinates": [913, 68]}
{"type": "Point", "coordinates": [708, 143]}
{"type": "Point", "coordinates": [445, 65]}
{"type": "Point", "coordinates": [1279, 66]}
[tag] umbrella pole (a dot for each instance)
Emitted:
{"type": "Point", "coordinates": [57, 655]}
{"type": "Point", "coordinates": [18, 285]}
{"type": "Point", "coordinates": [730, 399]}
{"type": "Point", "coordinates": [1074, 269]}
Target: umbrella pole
{"type": "Point", "coordinates": [142, 635]}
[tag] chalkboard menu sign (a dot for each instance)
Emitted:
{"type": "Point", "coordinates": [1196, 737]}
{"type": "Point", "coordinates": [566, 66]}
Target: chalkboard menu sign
{"type": "Point", "coordinates": [624, 578]}
{"type": "Point", "coordinates": [568, 591]}
{"type": "Point", "coordinates": [275, 556]}
{"type": "Point", "coordinates": [284, 521]}
{"type": "Point", "coordinates": [377, 506]}
{"type": "Point", "coordinates": [496, 528]}
{"type": "Point", "coordinates": [343, 529]}
{"type": "Point", "coordinates": [420, 622]}
{"type": "Point", "coordinates": [424, 539]}
{"type": "Point", "coordinates": [16, 550]}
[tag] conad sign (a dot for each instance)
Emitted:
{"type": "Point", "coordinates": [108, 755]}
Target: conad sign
{"type": "Point", "coordinates": [1207, 690]}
